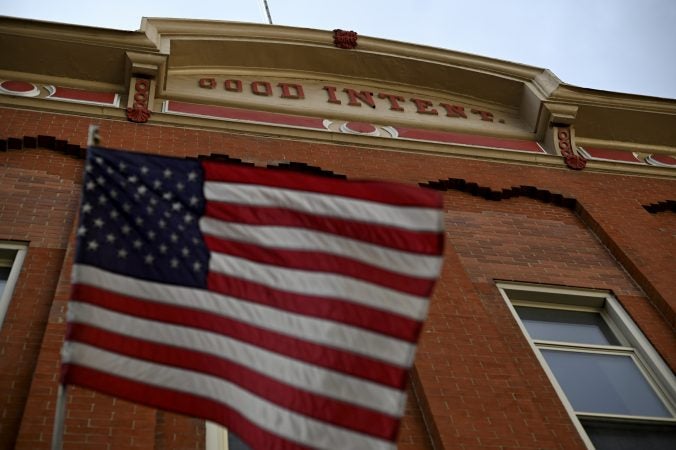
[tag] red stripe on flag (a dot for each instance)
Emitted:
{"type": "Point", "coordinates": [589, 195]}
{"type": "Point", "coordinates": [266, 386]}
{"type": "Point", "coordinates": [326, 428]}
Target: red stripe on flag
{"type": "Point", "coordinates": [427, 243]}
{"type": "Point", "coordinates": [192, 405]}
{"type": "Point", "coordinates": [328, 410]}
{"type": "Point", "coordinates": [375, 191]}
{"type": "Point", "coordinates": [323, 356]}
{"type": "Point", "coordinates": [322, 262]}
{"type": "Point", "coordinates": [335, 310]}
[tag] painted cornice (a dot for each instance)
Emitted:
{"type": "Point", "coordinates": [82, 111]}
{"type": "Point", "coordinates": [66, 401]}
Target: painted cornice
{"type": "Point", "coordinates": [97, 58]}
{"type": "Point", "coordinates": [55, 31]}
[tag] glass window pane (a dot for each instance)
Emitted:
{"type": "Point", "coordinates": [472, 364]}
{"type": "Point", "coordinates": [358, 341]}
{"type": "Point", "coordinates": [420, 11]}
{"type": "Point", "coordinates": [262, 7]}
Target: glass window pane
{"type": "Point", "coordinates": [566, 326]}
{"type": "Point", "coordinates": [4, 274]}
{"type": "Point", "coordinates": [603, 383]}
{"type": "Point", "coordinates": [235, 443]}
{"type": "Point", "coordinates": [630, 436]}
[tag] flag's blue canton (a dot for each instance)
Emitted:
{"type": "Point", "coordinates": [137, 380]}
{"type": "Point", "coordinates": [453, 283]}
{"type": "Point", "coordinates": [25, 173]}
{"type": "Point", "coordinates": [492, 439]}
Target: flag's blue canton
{"type": "Point", "coordinates": [140, 217]}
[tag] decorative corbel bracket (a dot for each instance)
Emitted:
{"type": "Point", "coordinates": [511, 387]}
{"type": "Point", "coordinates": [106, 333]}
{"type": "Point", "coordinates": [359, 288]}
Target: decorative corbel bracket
{"type": "Point", "coordinates": [561, 113]}
{"type": "Point", "coordinates": [143, 72]}
{"type": "Point", "coordinates": [564, 139]}
{"type": "Point", "coordinates": [560, 136]}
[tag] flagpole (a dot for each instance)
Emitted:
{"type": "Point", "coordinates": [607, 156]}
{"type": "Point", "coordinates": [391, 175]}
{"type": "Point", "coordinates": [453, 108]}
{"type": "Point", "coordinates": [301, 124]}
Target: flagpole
{"type": "Point", "coordinates": [93, 139]}
{"type": "Point", "coordinates": [59, 417]}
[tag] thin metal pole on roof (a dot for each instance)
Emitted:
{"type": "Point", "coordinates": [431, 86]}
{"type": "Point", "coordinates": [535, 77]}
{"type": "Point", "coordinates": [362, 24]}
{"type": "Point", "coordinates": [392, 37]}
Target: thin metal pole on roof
{"type": "Point", "coordinates": [267, 11]}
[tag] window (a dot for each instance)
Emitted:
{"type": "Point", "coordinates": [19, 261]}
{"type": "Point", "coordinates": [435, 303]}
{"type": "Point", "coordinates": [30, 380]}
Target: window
{"type": "Point", "coordinates": [11, 258]}
{"type": "Point", "coordinates": [618, 390]}
{"type": "Point", "coordinates": [218, 438]}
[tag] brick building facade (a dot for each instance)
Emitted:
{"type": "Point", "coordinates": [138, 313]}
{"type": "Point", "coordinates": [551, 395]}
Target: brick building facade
{"type": "Point", "coordinates": [559, 203]}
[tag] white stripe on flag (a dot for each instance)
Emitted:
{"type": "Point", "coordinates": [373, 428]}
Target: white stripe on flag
{"type": "Point", "coordinates": [319, 331]}
{"type": "Point", "coordinates": [321, 284]}
{"type": "Point", "coordinates": [282, 368]}
{"type": "Point", "coordinates": [406, 263]}
{"type": "Point", "coordinates": [408, 217]}
{"type": "Point", "coordinates": [293, 426]}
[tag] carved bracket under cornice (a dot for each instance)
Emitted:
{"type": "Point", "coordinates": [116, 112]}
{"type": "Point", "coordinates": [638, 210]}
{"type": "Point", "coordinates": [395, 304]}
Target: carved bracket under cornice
{"type": "Point", "coordinates": [561, 113]}
{"type": "Point", "coordinates": [140, 98]}
{"type": "Point", "coordinates": [564, 141]}
{"type": "Point", "coordinates": [143, 72]}
{"type": "Point", "coordinates": [560, 136]}
{"type": "Point", "coordinates": [146, 65]}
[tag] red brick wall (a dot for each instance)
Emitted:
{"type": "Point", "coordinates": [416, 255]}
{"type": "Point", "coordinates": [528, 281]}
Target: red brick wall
{"type": "Point", "coordinates": [38, 195]}
{"type": "Point", "coordinates": [477, 382]}
{"type": "Point", "coordinates": [484, 382]}
{"type": "Point", "coordinates": [175, 432]}
{"type": "Point", "coordinates": [413, 433]}
{"type": "Point", "coordinates": [21, 335]}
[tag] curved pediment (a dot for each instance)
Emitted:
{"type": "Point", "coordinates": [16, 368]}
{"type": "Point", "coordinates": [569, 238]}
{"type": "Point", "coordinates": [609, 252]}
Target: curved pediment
{"type": "Point", "coordinates": [379, 81]}
{"type": "Point", "coordinates": [311, 54]}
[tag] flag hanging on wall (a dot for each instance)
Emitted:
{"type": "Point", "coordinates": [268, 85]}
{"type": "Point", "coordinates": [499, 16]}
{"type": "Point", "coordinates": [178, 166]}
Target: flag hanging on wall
{"type": "Point", "coordinates": [281, 305]}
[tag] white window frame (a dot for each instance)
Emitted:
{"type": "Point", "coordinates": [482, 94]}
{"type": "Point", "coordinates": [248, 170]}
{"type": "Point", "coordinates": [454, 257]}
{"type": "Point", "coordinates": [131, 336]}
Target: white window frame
{"type": "Point", "coordinates": [217, 437]}
{"type": "Point", "coordinates": [15, 265]}
{"type": "Point", "coordinates": [633, 343]}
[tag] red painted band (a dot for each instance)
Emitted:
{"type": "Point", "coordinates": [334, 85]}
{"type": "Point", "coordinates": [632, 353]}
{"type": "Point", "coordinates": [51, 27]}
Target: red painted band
{"type": "Point", "coordinates": [223, 112]}
{"type": "Point", "coordinates": [468, 139]}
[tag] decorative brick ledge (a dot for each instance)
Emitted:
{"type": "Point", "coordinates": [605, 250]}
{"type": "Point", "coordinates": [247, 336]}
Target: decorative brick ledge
{"type": "Point", "coordinates": [42, 141]}
{"type": "Point", "coordinates": [487, 193]}
{"type": "Point", "coordinates": [663, 206]}
{"type": "Point", "coordinates": [63, 146]}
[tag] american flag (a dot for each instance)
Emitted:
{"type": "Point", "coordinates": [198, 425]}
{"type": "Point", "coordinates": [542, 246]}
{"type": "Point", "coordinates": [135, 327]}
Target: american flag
{"type": "Point", "coordinates": [281, 305]}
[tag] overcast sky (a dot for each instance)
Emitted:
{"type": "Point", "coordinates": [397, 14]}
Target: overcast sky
{"type": "Point", "coordinates": [614, 45]}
